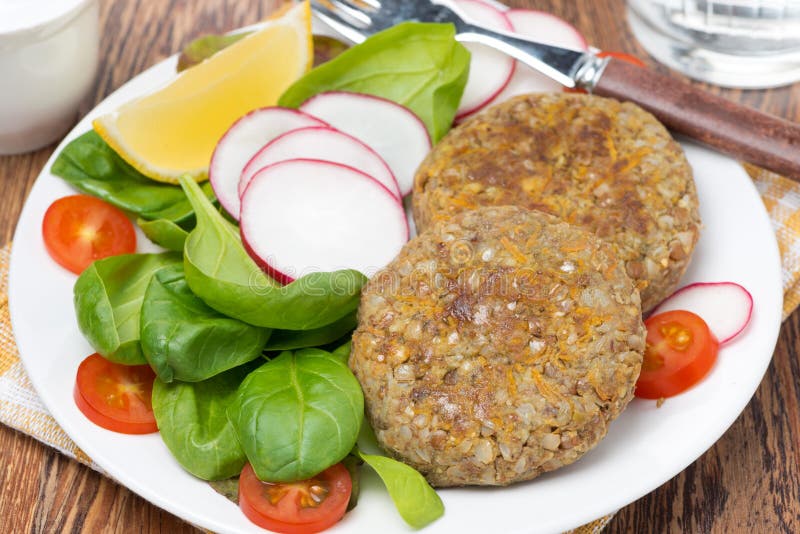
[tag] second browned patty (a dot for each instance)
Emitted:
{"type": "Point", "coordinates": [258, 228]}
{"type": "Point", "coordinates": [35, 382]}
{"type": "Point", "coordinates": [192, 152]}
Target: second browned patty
{"type": "Point", "coordinates": [497, 346]}
{"type": "Point", "coordinates": [608, 166]}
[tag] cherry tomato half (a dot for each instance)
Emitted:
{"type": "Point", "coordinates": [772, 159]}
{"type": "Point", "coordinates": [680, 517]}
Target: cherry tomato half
{"type": "Point", "coordinates": [115, 396]}
{"type": "Point", "coordinates": [302, 507]}
{"type": "Point", "coordinates": [80, 229]}
{"type": "Point", "coordinates": [680, 351]}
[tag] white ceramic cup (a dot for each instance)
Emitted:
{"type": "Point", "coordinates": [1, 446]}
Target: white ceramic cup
{"type": "Point", "coordinates": [48, 62]}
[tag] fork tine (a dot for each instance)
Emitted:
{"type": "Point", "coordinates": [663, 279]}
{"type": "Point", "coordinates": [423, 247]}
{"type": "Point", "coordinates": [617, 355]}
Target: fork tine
{"type": "Point", "coordinates": [355, 13]}
{"type": "Point", "coordinates": [339, 24]}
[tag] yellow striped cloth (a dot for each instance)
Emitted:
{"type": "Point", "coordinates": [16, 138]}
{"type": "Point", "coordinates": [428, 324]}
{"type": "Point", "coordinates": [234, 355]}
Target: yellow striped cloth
{"type": "Point", "coordinates": [21, 409]}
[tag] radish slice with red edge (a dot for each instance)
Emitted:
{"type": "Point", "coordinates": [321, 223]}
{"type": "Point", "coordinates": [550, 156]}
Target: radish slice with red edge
{"type": "Point", "coordinates": [302, 216]}
{"type": "Point", "coordinates": [391, 130]}
{"type": "Point", "coordinates": [726, 307]}
{"type": "Point", "coordinates": [490, 70]}
{"type": "Point", "coordinates": [241, 141]}
{"type": "Point", "coordinates": [545, 28]}
{"type": "Point", "coordinates": [324, 143]}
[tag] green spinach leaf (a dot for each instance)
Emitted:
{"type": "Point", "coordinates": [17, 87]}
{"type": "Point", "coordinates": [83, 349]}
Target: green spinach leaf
{"type": "Point", "coordinates": [416, 501]}
{"type": "Point", "coordinates": [301, 339]}
{"type": "Point", "coordinates": [90, 165]}
{"type": "Point", "coordinates": [206, 46]}
{"type": "Point", "coordinates": [342, 352]}
{"type": "Point", "coordinates": [193, 422]}
{"type": "Point", "coordinates": [418, 65]}
{"type": "Point", "coordinates": [202, 48]}
{"type": "Point", "coordinates": [184, 339]}
{"type": "Point", "coordinates": [164, 233]}
{"type": "Point", "coordinates": [219, 271]}
{"type": "Point", "coordinates": [353, 465]}
{"type": "Point", "coordinates": [297, 415]}
{"type": "Point", "coordinates": [108, 302]}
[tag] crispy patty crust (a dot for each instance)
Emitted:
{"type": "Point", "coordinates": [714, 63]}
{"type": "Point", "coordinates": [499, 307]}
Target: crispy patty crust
{"type": "Point", "coordinates": [595, 162]}
{"type": "Point", "coordinates": [497, 346]}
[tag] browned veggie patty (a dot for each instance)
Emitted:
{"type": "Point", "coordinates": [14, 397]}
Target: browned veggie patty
{"type": "Point", "coordinates": [594, 162]}
{"type": "Point", "coordinates": [498, 345]}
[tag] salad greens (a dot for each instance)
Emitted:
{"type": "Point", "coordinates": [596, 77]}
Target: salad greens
{"type": "Point", "coordinates": [108, 301]}
{"type": "Point", "coordinates": [202, 48]}
{"type": "Point", "coordinates": [297, 415]}
{"type": "Point", "coordinates": [193, 424]}
{"type": "Point", "coordinates": [164, 233]}
{"type": "Point", "coordinates": [417, 502]}
{"type": "Point", "coordinates": [91, 165]}
{"type": "Point", "coordinates": [353, 465]}
{"type": "Point", "coordinates": [184, 339]}
{"type": "Point", "coordinates": [418, 65]}
{"type": "Point", "coordinates": [206, 46]}
{"type": "Point", "coordinates": [219, 271]}
{"type": "Point", "coordinates": [203, 321]}
{"type": "Point", "coordinates": [343, 352]}
{"type": "Point", "coordinates": [301, 339]}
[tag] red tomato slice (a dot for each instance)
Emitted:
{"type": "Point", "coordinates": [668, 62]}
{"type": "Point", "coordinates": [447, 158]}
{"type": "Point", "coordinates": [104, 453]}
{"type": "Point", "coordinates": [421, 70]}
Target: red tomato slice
{"type": "Point", "coordinates": [618, 55]}
{"type": "Point", "coordinates": [80, 229]}
{"type": "Point", "coordinates": [680, 351]}
{"type": "Point", "coordinates": [302, 507]}
{"type": "Point", "coordinates": [115, 396]}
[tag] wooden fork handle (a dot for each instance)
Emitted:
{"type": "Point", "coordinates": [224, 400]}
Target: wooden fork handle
{"type": "Point", "coordinates": [741, 132]}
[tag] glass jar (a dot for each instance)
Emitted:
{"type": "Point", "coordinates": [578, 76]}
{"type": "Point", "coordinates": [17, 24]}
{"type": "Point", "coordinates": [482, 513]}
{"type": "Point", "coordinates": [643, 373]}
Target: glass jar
{"type": "Point", "coordinates": [732, 43]}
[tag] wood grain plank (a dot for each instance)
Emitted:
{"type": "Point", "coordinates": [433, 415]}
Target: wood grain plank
{"type": "Point", "coordinates": [748, 482]}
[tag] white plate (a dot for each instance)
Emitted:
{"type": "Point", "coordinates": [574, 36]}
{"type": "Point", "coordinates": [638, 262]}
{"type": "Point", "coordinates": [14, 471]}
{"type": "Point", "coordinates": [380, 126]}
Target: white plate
{"type": "Point", "coordinates": [645, 447]}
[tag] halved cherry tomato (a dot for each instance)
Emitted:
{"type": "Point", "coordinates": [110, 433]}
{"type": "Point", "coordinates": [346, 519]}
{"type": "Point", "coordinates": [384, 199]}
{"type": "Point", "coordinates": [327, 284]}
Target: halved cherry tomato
{"type": "Point", "coordinates": [302, 507]}
{"type": "Point", "coordinates": [680, 351]}
{"type": "Point", "coordinates": [618, 55]}
{"type": "Point", "coordinates": [115, 396]}
{"type": "Point", "coordinates": [80, 229]}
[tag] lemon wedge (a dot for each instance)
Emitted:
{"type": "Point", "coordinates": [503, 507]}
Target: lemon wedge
{"type": "Point", "coordinates": [173, 131]}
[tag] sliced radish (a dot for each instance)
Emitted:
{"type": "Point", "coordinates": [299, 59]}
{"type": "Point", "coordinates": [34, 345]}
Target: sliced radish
{"type": "Point", "coordinates": [302, 216]}
{"type": "Point", "coordinates": [241, 141]}
{"type": "Point", "coordinates": [726, 307]}
{"type": "Point", "coordinates": [393, 131]}
{"type": "Point", "coordinates": [546, 28]}
{"type": "Point", "coordinates": [324, 143]}
{"type": "Point", "coordinates": [490, 70]}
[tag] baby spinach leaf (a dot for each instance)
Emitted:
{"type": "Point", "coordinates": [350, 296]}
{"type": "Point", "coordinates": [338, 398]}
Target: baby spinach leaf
{"type": "Point", "coordinates": [228, 488]}
{"type": "Point", "coordinates": [219, 271]}
{"type": "Point", "coordinates": [202, 48]}
{"type": "Point", "coordinates": [301, 339]}
{"type": "Point", "coordinates": [418, 65]}
{"type": "Point", "coordinates": [184, 339]}
{"type": "Point", "coordinates": [342, 352]}
{"type": "Point", "coordinates": [416, 501]}
{"type": "Point", "coordinates": [108, 302]}
{"type": "Point", "coordinates": [164, 233]}
{"type": "Point", "coordinates": [326, 48]}
{"type": "Point", "coordinates": [193, 422]}
{"type": "Point", "coordinates": [353, 465]}
{"type": "Point", "coordinates": [90, 165]}
{"type": "Point", "coordinates": [297, 415]}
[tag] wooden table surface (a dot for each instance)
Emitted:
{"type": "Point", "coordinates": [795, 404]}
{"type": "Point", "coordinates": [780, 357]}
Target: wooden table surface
{"type": "Point", "coordinates": [748, 482]}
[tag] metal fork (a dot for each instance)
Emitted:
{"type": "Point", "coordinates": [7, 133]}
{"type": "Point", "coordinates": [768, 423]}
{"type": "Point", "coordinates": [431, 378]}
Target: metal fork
{"type": "Point", "coordinates": [741, 132]}
{"type": "Point", "coordinates": [357, 19]}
